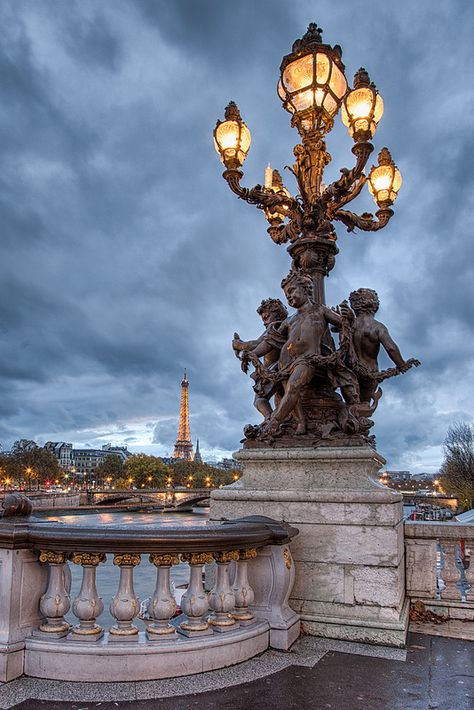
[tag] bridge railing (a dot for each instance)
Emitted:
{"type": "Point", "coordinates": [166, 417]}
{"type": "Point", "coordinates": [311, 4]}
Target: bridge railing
{"type": "Point", "coordinates": [245, 611]}
{"type": "Point", "coordinates": [440, 567]}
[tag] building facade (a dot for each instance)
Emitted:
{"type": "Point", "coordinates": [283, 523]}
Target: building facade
{"type": "Point", "coordinates": [83, 461]}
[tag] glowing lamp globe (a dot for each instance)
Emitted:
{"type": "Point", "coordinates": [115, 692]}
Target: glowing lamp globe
{"type": "Point", "coordinates": [362, 108]}
{"type": "Point", "coordinates": [312, 83]}
{"type": "Point", "coordinates": [385, 180]}
{"type": "Point", "coordinates": [232, 138]}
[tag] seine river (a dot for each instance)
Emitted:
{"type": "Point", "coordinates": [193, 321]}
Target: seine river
{"type": "Point", "coordinates": [145, 574]}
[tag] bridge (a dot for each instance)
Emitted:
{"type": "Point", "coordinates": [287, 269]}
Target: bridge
{"type": "Point", "coordinates": [172, 498]}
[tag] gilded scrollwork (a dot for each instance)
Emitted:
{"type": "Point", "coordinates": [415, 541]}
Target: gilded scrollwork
{"type": "Point", "coordinates": [197, 558]}
{"type": "Point", "coordinates": [88, 558]}
{"type": "Point", "coordinates": [164, 560]}
{"type": "Point", "coordinates": [227, 556]}
{"type": "Point", "coordinates": [52, 558]}
{"type": "Point", "coordinates": [127, 559]}
{"type": "Point", "coordinates": [287, 558]}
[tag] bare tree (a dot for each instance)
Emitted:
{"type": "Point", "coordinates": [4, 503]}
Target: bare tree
{"type": "Point", "coordinates": [457, 470]}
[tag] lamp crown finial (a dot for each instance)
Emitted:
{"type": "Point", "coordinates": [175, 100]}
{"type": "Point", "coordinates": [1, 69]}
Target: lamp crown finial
{"type": "Point", "coordinates": [311, 37]}
{"type": "Point", "coordinates": [361, 78]}
{"type": "Point", "coordinates": [232, 112]}
{"type": "Point", "coordinates": [385, 157]}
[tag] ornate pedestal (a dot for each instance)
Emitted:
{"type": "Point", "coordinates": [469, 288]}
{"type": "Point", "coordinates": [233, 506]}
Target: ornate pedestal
{"type": "Point", "coordinates": [349, 555]}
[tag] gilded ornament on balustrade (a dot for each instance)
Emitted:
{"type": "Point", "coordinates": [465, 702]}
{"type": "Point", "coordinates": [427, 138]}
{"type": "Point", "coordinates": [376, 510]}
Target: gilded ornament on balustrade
{"type": "Point", "coordinates": [88, 558]}
{"type": "Point", "coordinates": [198, 558]}
{"type": "Point", "coordinates": [127, 559]}
{"type": "Point", "coordinates": [164, 560]}
{"type": "Point", "coordinates": [229, 556]}
{"type": "Point", "coordinates": [287, 558]}
{"type": "Point", "coordinates": [52, 558]}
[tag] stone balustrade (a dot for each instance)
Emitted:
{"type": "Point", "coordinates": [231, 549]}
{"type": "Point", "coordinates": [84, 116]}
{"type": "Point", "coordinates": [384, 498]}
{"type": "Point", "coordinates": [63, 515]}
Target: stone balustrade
{"type": "Point", "coordinates": [243, 613]}
{"type": "Point", "coordinates": [440, 567]}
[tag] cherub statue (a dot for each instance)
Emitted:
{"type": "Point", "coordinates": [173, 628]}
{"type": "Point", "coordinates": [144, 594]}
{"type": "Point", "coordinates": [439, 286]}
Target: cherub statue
{"type": "Point", "coordinates": [306, 348]}
{"type": "Point", "coordinates": [368, 335]}
{"type": "Point", "coordinates": [273, 312]}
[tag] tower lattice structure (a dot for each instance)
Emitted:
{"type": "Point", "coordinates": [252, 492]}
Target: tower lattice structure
{"type": "Point", "coordinates": [183, 448]}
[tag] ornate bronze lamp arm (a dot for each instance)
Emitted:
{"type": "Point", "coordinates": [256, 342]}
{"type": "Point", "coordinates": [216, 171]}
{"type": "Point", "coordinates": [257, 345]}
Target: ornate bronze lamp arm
{"type": "Point", "coordinates": [350, 183]}
{"type": "Point", "coordinates": [289, 232]}
{"type": "Point", "coordinates": [365, 221]}
{"type": "Point", "coordinates": [258, 195]}
{"type": "Point", "coordinates": [336, 204]}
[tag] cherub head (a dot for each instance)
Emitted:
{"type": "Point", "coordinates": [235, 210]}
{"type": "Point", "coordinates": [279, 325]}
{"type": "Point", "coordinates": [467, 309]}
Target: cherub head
{"type": "Point", "coordinates": [364, 300]}
{"type": "Point", "coordinates": [298, 288]}
{"type": "Point", "coordinates": [272, 310]}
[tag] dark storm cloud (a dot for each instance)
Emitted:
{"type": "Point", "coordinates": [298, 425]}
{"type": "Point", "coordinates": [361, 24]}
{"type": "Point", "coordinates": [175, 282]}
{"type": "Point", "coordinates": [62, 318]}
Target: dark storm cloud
{"type": "Point", "coordinates": [125, 258]}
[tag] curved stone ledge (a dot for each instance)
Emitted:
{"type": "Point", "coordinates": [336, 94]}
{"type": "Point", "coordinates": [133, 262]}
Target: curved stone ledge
{"type": "Point", "coordinates": [103, 662]}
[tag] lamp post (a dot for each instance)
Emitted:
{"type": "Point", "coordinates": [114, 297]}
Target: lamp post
{"type": "Point", "coordinates": [313, 88]}
{"type": "Point", "coordinates": [313, 456]}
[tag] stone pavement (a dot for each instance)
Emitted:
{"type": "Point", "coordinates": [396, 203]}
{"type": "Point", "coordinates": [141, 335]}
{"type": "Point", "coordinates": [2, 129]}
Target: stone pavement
{"type": "Point", "coordinates": [318, 674]}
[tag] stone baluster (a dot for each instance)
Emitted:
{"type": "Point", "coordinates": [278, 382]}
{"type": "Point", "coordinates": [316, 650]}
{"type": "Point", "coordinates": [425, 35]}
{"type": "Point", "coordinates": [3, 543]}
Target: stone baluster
{"type": "Point", "coordinates": [125, 605]}
{"type": "Point", "coordinates": [162, 605]}
{"type": "Point", "coordinates": [222, 597]}
{"type": "Point", "coordinates": [450, 573]}
{"type": "Point", "coordinates": [469, 570]}
{"type": "Point", "coordinates": [194, 602]}
{"type": "Point", "coordinates": [55, 602]}
{"type": "Point", "coordinates": [243, 592]}
{"type": "Point", "coordinates": [87, 606]}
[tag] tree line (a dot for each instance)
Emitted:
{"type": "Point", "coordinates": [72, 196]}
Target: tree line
{"type": "Point", "coordinates": [146, 471]}
{"type": "Point", "coordinates": [457, 470]}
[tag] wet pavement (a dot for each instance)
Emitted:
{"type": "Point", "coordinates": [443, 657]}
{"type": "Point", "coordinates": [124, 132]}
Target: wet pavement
{"type": "Point", "coordinates": [438, 673]}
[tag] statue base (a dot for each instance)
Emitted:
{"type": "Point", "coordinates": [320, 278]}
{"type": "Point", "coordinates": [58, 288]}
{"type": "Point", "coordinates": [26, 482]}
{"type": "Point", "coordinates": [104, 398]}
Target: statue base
{"type": "Point", "coordinates": [349, 554]}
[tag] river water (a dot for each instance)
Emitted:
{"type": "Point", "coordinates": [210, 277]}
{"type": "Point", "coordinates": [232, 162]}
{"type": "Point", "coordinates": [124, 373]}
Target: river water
{"type": "Point", "coordinates": [145, 573]}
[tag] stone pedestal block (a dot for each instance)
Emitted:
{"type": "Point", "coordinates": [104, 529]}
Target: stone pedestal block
{"type": "Point", "coordinates": [349, 555]}
{"type": "Point", "coordinates": [22, 582]}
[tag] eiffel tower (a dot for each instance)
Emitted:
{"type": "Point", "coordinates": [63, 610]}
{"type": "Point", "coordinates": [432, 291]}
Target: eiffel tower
{"type": "Point", "coordinates": [183, 448]}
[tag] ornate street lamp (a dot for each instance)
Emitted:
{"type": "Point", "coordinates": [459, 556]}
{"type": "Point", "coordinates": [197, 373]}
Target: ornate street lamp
{"type": "Point", "coordinates": [384, 180]}
{"type": "Point", "coordinates": [312, 83]}
{"type": "Point", "coordinates": [362, 108]}
{"type": "Point", "coordinates": [313, 88]}
{"type": "Point", "coordinates": [232, 138]}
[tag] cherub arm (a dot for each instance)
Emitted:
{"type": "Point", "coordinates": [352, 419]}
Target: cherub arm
{"type": "Point", "coordinates": [239, 344]}
{"type": "Point", "coordinates": [273, 339]}
{"type": "Point", "coordinates": [390, 346]}
{"type": "Point", "coordinates": [335, 315]}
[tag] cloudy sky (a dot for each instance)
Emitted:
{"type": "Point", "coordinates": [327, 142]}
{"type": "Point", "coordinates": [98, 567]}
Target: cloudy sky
{"type": "Point", "coordinates": [125, 258]}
